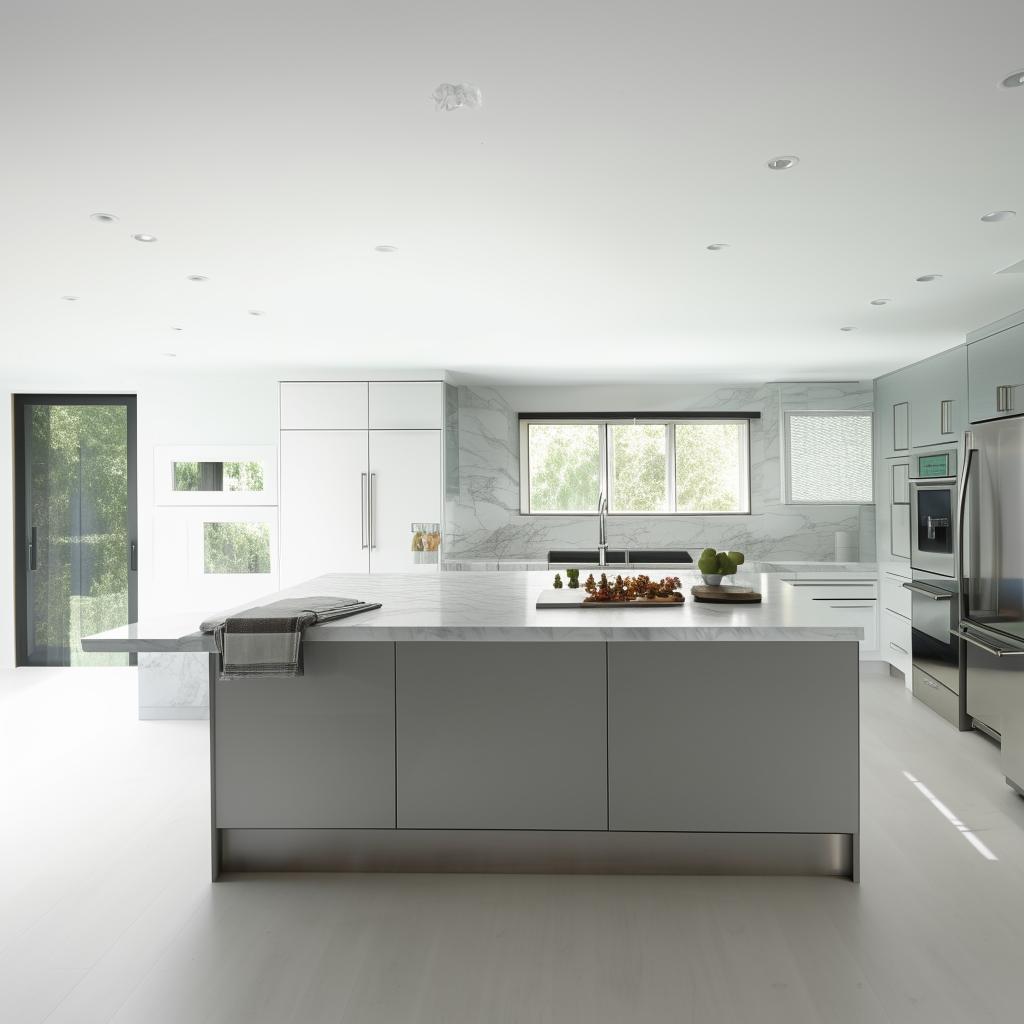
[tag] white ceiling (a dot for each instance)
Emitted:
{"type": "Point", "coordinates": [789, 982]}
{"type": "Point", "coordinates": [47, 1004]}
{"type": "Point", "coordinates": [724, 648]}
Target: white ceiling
{"type": "Point", "coordinates": [557, 233]}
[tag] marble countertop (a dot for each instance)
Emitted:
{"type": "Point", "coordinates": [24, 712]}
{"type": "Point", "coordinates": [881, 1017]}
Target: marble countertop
{"type": "Point", "coordinates": [501, 606]}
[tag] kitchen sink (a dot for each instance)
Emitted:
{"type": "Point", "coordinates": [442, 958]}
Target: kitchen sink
{"type": "Point", "coordinates": [589, 558]}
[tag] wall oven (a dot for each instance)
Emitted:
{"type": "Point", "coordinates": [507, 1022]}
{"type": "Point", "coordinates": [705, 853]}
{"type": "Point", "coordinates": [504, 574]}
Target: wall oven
{"type": "Point", "coordinates": [933, 487]}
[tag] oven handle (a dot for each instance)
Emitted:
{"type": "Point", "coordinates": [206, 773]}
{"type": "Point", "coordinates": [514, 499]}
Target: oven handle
{"type": "Point", "coordinates": [961, 509]}
{"type": "Point", "coordinates": [941, 595]}
{"type": "Point", "coordinates": [999, 652]}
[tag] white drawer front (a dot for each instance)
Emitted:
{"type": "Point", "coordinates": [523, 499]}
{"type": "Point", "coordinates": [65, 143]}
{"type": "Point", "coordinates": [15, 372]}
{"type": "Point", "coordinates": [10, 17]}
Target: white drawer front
{"type": "Point", "coordinates": [895, 647]}
{"type": "Point", "coordinates": [853, 612]}
{"type": "Point", "coordinates": [895, 596]}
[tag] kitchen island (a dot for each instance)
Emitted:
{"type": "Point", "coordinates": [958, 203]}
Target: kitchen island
{"type": "Point", "coordinates": [459, 728]}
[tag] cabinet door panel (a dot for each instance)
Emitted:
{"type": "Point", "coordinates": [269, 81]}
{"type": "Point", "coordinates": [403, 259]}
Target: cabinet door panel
{"type": "Point", "coordinates": [901, 426]}
{"type": "Point", "coordinates": [323, 405]}
{"type": "Point", "coordinates": [406, 405]}
{"type": "Point", "coordinates": [502, 735]}
{"type": "Point", "coordinates": [323, 523]}
{"type": "Point", "coordinates": [996, 363]}
{"type": "Point", "coordinates": [313, 752]}
{"type": "Point", "coordinates": [405, 488]}
{"type": "Point", "coordinates": [941, 379]}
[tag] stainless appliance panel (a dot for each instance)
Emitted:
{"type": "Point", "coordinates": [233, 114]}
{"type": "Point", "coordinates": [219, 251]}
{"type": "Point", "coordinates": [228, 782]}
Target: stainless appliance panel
{"type": "Point", "coordinates": [933, 526]}
{"type": "Point", "coordinates": [934, 615]}
{"type": "Point", "coordinates": [984, 687]}
{"type": "Point", "coordinates": [993, 585]}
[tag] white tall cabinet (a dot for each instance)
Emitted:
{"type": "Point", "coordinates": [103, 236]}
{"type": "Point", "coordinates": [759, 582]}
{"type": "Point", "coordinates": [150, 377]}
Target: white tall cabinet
{"type": "Point", "coordinates": [361, 462]}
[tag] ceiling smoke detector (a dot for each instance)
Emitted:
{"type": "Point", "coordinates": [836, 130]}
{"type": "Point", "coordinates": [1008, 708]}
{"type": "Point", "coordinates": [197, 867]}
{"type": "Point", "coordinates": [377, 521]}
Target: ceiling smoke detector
{"type": "Point", "coordinates": [448, 96]}
{"type": "Point", "coordinates": [1014, 81]}
{"type": "Point", "coordinates": [997, 215]}
{"type": "Point", "coordinates": [783, 163]}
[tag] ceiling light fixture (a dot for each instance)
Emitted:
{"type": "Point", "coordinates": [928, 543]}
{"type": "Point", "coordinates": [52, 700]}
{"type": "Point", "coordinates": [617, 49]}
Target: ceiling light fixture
{"type": "Point", "coordinates": [1014, 81]}
{"type": "Point", "coordinates": [783, 163]}
{"type": "Point", "coordinates": [997, 215]}
{"type": "Point", "coordinates": [171, 355]}
{"type": "Point", "coordinates": [880, 302]}
{"type": "Point", "coordinates": [196, 277]}
{"type": "Point", "coordinates": [177, 328]}
{"type": "Point", "coordinates": [717, 246]}
{"type": "Point", "coordinates": [103, 218]}
{"type": "Point", "coordinates": [847, 328]}
{"type": "Point", "coordinates": [927, 278]}
{"type": "Point", "coordinates": [70, 298]}
{"type": "Point", "coordinates": [385, 248]}
{"type": "Point", "coordinates": [256, 312]}
{"type": "Point", "coordinates": [144, 238]}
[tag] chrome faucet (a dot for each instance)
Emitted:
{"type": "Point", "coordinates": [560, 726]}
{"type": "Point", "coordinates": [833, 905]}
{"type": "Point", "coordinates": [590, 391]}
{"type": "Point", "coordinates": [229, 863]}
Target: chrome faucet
{"type": "Point", "coordinates": [602, 530]}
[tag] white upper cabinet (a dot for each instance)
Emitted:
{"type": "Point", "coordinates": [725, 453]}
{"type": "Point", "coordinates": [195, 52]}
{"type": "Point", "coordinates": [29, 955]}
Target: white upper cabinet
{"type": "Point", "coordinates": [324, 405]}
{"type": "Point", "coordinates": [406, 405]}
{"type": "Point", "coordinates": [996, 365]}
{"type": "Point", "coordinates": [938, 398]}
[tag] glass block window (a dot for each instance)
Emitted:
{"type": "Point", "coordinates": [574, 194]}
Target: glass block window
{"type": "Point", "coordinates": [828, 458]}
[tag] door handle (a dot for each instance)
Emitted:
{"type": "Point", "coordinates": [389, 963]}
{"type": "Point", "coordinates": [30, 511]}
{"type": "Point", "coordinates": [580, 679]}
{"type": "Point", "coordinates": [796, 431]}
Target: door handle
{"type": "Point", "coordinates": [961, 509]}
{"type": "Point", "coordinates": [373, 538]}
{"type": "Point", "coordinates": [363, 510]}
{"type": "Point", "coordinates": [931, 595]}
{"type": "Point", "coordinates": [896, 647]}
{"type": "Point", "coordinates": [851, 606]}
{"type": "Point", "coordinates": [133, 557]}
{"type": "Point", "coordinates": [999, 652]}
{"type": "Point", "coordinates": [1004, 398]}
{"type": "Point", "coordinates": [32, 550]}
{"type": "Point", "coordinates": [946, 416]}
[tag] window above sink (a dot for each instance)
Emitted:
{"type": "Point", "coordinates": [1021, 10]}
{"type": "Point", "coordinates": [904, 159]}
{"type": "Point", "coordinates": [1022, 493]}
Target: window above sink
{"type": "Point", "coordinates": [647, 464]}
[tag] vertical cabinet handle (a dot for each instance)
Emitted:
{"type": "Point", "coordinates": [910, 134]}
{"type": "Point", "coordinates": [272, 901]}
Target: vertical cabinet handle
{"type": "Point", "coordinates": [373, 536]}
{"type": "Point", "coordinates": [363, 511]}
{"type": "Point", "coordinates": [33, 546]}
{"type": "Point", "coordinates": [133, 557]}
{"type": "Point", "coordinates": [946, 416]}
{"type": "Point", "coordinates": [1004, 398]}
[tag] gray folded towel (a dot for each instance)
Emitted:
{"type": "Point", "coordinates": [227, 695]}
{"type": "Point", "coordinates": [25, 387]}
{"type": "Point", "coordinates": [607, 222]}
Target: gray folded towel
{"type": "Point", "coordinates": [267, 640]}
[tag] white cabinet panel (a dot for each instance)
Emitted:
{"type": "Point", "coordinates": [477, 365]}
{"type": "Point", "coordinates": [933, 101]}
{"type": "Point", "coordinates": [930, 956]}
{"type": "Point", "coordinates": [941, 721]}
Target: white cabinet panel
{"type": "Point", "coordinates": [896, 648]}
{"type": "Point", "coordinates": [323, 512]}
{"type": "Point", "coordinates": [405, 488]}
{"type": "Point", "coordinates": [895, 597]}
{"type": "Point", "coordinates": [938, 389]}
{"type": "Point", "coordinates": [324, 405]}
{"type": "Point", "coordinates": [406, 405]}
{"type": "Point", "coordinates": [996, 371]}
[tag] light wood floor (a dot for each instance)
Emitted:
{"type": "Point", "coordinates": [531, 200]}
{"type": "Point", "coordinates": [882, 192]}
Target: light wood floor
{"type": "Point", "coordinates": [106, 912]}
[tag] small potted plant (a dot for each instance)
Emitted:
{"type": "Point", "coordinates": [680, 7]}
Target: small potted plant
{"type": "Point", "coordinates": [713, 565]}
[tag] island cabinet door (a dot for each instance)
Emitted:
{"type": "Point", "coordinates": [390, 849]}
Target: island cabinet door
{"type": "Point", "coordinates": [502, 736]}
{"type": "Point", "coordinates": [733, 737]}
{"type": "Point", "coordinates": [316, 751]}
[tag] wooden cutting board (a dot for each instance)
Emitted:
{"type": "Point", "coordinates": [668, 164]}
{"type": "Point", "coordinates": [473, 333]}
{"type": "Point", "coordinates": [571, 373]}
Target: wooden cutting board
{"type": "Point", "coordinates": [726, 595]}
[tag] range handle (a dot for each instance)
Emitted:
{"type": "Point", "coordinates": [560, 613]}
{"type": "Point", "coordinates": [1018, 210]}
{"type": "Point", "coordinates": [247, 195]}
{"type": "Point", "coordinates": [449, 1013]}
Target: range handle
{"type": "Point", "coordinates": [999, 652]}
{"type": "Point", "coordinates": [934, 595]}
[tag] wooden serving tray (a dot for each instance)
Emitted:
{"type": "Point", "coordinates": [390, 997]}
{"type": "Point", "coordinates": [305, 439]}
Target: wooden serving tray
{"type": "Point", "coordinates": [567, 598]}
{"type": "Point", "coordinates": [726, 595]}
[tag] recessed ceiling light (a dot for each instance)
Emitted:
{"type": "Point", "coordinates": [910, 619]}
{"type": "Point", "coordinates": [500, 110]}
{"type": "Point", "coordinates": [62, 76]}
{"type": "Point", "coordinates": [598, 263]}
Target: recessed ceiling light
{"type": "Point", "coordinates": [144, 238]}
{"type": "Point", "coordinates": [880, 302]}
{"type": "Point", "coordinates": [177, 328]}
{"type": "Point", "coordinates": [998, 215]}
{"type": "Point", "coordinates": [1013, 81]}
{"type": "Point", "coordinates": [783, 163]}
{"type": "Point", "coordinates": [171, 355]}
{"type": "Point", "coordinates": [717, 246]}
{"type": "Point", "coordinates": [926, 278]}
{"type": "Point", "coordinates": [847, 328]}
{"type": "Point", "coordinates": [103, 218]}
{"type": "Point", "coordinates": [196, 277]}
{"type": "Point", "coordinates": [256, 312]}
{"type": "Point", "coordinates": [385, 248]}
{"type": "Point", "coordinates": [70, 298]}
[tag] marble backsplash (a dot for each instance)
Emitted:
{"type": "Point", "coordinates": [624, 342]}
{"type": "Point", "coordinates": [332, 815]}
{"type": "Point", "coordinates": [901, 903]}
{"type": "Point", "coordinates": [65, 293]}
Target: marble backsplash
{"type": "Point", "coordinates": [484, 522]}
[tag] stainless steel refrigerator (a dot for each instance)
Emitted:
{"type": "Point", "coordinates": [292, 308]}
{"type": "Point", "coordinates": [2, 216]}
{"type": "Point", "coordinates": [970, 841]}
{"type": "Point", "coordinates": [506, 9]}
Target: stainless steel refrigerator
{"type": "Point", "coordinates": [991, 550]}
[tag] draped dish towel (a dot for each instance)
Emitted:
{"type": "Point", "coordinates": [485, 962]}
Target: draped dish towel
{"type": "Point", "coordinates": [267, 640]}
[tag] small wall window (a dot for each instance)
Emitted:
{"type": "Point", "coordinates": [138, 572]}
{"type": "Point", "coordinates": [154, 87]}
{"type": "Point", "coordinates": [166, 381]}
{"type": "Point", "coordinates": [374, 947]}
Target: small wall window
{"type": "Point", "coordinates": [828, 458]}
{"type": "Point", "coordinates": [229, 477]}
{"type": "Point", "coordinates": [236, 548]}
{"type": "Point", "coordinates": [656, 466]}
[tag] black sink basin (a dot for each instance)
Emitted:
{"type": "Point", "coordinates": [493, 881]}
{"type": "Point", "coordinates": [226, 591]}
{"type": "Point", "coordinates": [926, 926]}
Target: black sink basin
{"type": "Point", "coordinates": [612, 557]}
{"type": "Point", "coordinates": [617, 556]}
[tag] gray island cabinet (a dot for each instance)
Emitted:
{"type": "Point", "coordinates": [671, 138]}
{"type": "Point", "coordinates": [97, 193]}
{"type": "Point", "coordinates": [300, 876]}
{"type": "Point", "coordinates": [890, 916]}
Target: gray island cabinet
{"type": "Point", "coordinates": [458, 728]}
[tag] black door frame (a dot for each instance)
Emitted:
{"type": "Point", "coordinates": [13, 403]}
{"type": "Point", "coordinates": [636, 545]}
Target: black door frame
{"type": "Point", "coordinates": [22, 539]}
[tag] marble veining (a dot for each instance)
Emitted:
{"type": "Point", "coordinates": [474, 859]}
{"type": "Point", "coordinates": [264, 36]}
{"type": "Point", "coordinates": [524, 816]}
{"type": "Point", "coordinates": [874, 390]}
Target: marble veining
{"type": "Point", "coordinates": [484, 521]}
{"type": "Point", "coordinates": [485, 606]}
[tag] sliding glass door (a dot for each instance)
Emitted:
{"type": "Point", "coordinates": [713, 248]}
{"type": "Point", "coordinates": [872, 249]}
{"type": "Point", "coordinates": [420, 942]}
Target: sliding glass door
{"type": "Point", "coordinates": [76, 524]}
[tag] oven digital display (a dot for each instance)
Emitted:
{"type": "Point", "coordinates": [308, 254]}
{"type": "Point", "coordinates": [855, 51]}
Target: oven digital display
{"type": "Point", "coordinates": [933, 465]}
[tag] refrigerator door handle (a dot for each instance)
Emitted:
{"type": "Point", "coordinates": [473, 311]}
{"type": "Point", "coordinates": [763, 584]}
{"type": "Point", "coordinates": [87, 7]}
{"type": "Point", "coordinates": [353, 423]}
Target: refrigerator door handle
{"type": "Point", "coordinates": [362, 512]}
{"type": "Point", "coordinates": [961, 507]}
{"type": "Point", "coordinates": [373, 539]}
{"type": "Point", "coordinates": [999, 652]}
